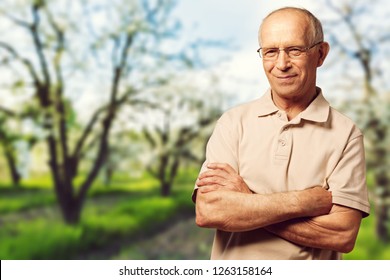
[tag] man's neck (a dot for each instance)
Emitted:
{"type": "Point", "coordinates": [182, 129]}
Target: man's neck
{"type": "Point", "coordinates": [294, 106]}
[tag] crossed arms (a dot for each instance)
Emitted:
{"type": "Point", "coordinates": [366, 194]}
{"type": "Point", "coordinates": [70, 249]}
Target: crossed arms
{"type": "Point", "coordinates": [307, 217]}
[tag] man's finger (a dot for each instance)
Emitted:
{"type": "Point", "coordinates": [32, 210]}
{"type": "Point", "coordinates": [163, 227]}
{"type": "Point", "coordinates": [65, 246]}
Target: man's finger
{"type": "Point", "coordinates": [209, 188]}
{"type": "Point", "coordinates": [211, 181]}
{"type": "Point", "coordinates": [213, 173]}
{"type": "Point", "coordinates": [223, 166]}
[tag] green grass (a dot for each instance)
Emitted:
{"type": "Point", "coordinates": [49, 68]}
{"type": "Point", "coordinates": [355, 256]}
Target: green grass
{"type": "Point", "coordinates": [14, 200]}
{"type": "Point", "coordinates": [38, 191]}
{"type": "Point", "coordinates": [49, 238]}
{"type": "Point", "coordinates": [39, 239]}
{"type": "Point", "coordinates": [111, 214]}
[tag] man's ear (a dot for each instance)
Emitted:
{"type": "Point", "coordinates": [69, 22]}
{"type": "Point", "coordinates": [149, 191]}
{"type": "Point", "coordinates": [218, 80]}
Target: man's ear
{"type": "Point", "coordinates": [323, 51]}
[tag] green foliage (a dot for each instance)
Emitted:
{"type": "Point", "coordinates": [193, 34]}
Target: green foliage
{"type": "Point", "coordinates": [122, 182]}
{"type": "Point", "coordinates": [41, 182]}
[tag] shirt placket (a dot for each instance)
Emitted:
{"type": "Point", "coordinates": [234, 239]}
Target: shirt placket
{"type": "Point", "coordinates": [284, 140]}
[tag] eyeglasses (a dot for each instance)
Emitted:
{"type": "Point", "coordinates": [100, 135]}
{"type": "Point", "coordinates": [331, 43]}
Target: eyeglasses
{"type": "Point", "coordinates": [293, 52]}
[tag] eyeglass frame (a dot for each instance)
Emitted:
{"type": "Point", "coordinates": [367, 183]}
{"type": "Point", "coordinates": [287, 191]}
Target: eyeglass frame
{"type": "Point", "coordinates": [302, 49]}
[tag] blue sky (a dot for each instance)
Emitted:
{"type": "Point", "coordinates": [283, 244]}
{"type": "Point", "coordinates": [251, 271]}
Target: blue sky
{"type": "Point", "coordinates": [238, 20]}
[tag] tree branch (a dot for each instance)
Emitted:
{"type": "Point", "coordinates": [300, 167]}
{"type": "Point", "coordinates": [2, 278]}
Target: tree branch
{"type": "Point", "coordinates": [27, 63]}
{"type": "Point", "coordinates": [59, 98]}
{"type": "Point", "coordinates": [95, 118]}
{"type": "Point", "coordinates": [15, 20]}
{"type": "Point", "coordinates": [109, 118]}
{"type": "Point", "coordinates": [7, 111]}
{"type": "Point", "coordinates": [38, 45]}
{"type": "Point", "coordinates": [87, 130]}
{"type": "Point", "coordinates": [362, 54]}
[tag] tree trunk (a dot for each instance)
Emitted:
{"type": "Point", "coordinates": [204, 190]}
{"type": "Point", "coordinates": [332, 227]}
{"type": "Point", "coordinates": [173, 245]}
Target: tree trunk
{"type": "Point", "coordinates": [382, 206]}
{"type": "Point", "coordinates": [381, 227]}
{"type": "Point", "coordinates": [70, 206]}
{"type": "Point", "coordinates": [72, 212]}
{"type": "Point", "coordinates": [382, 179]}
{"type": "Point", "coordinates": [12, 166]}
{"type": "Point", "coordinates": [165, 189]}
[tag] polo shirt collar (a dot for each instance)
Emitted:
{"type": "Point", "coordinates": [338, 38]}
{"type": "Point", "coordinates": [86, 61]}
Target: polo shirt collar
{"type": "Point", "coordinates": [267, 106]}
{"type": "Point", "coordinates": [317, 111]}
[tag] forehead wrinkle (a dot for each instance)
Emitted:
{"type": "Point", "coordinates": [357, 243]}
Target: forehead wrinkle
{"type": "Point", "coordinates": [285, 28]}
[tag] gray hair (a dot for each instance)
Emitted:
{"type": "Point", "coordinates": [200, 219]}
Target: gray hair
{"type": "Point", "coordinates": [316, 26]}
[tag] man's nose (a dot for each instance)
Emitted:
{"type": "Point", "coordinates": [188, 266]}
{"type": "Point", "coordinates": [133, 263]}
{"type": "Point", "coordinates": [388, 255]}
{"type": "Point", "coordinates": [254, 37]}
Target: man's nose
{"type": "Point", "coordinates": [283, 60]}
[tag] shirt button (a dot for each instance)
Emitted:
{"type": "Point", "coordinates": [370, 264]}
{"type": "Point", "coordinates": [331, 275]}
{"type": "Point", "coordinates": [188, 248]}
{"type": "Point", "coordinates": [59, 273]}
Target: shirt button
{"type": "Point", "coordinates": [282, 142]}
{"type": "Point", "coordinates": [279, 114]}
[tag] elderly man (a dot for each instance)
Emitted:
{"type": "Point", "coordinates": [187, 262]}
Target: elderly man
{"type": "Point", "coordinates": [284, 176]}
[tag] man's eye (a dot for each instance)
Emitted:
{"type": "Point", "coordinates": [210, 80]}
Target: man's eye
{"type": "Point", "coordinates": [270, 52]}
{"type": "Point", "coordinates": [294, 51]}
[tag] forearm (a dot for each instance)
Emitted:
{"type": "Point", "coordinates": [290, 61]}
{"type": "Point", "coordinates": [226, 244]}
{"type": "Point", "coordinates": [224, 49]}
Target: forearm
{"type": "Point", "coordinates": [236, 211]}
{"type": "Point", "coordinates": [241, 212]}
{"type": "Point", "coordinates": [335, 231]}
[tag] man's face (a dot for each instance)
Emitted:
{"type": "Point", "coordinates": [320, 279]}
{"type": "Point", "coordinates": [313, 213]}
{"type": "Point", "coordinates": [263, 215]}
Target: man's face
{"type": "Point", "coordinates": [290, 78]}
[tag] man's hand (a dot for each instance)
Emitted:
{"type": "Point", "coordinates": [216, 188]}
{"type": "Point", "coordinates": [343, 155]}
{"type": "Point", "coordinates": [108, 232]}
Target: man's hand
{"type": "Point", "coordinates": [224, 210]}
{"type": "Point", "coordinates": [221, 175]}
{"type": "Point", "coordinates": [222, 193]}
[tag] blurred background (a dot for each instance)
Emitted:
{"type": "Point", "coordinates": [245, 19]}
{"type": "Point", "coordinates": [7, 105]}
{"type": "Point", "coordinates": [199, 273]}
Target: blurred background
{"type": "Point", "coordinates": [106, 107]}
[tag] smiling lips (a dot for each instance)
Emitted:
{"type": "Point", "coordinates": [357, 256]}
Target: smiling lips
{"type": "Point", "coordinates": [285, 77]}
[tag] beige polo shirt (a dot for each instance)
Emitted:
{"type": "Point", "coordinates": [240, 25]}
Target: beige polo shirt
{"type": "Point", "coordinates": [318, 147]}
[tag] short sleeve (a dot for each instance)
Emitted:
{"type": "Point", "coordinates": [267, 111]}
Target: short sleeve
{"type": "Point", "coordinates": [348, 180]}
{"type": "Point", "coordinates": [222, 147]}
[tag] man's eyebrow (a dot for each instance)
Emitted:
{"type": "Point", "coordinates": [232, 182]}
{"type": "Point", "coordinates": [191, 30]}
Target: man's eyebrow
{"type": "Point", "coordinates": [289, 46]}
